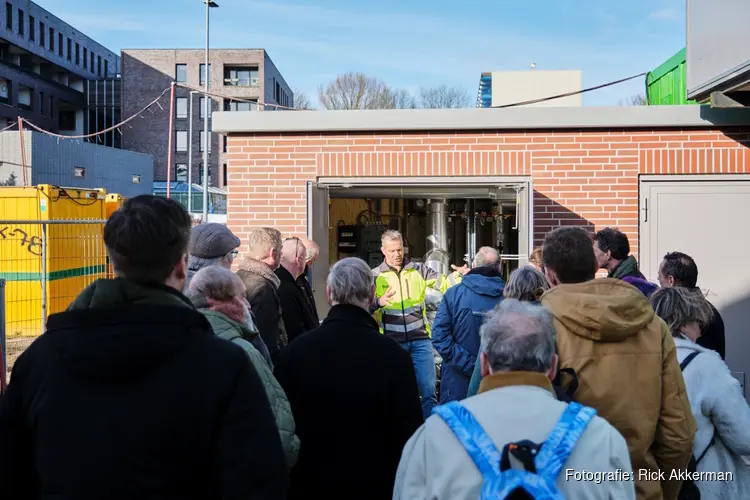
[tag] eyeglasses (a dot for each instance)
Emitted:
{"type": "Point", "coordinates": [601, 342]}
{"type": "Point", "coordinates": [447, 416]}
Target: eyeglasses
{"type": "Point", "coordinates": [234, 253]}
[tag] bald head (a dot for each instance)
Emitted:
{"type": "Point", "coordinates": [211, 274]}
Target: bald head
{"type": "Point", "coordinates": [293, 256]}
{"type": "Point", "coordinates": [313, 250]}
{"type": "Point", "coordinates": [487, 257]}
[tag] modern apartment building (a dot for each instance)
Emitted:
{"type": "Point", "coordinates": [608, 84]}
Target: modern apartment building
{"type": "Point", "coordinates": [55, 76]}
{"type": "Point", "coordinates": [246, 80]}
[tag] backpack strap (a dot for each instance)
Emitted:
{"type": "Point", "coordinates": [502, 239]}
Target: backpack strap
{"type": "Point", "coordinates": [563, 438]}
{"type": "Point", "coordinates": [687, 360]}
{"type": "Point", "coordinates": [474, 439]}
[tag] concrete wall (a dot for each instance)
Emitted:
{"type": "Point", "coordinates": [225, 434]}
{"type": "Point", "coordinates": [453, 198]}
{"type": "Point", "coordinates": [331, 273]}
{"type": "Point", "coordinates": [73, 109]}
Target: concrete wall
{"type": "Point", "coordinates": [53, 162]}
{"type": "Point", "coordinates": [147, 72]}
{"type": "Point", "coordinates": [584, 178]}
{"type": "Point", "coordinates": [510, 87]}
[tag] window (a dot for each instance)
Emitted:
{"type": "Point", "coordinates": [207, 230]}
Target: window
{"type": "Point", "coordinates": [136, 179]}
{"type": "Point", "coordinates": [203, 74]}
{"type": "Point", "coordinates": [225, 144]}
{"type": "Point", "coordinates": [41, 102]}
{"type": "Point", "coordinates": [9, 16]}
{"type": "Point", "coordinates": [42, 34]}
{"type": "Point", "coordinates": [106, 68]}
{"type": "Point", "coordinates": [99, 65]}
{"type": "Point", "coordinates": [240, 106]}
{"type": "Point", "coordinates": [278, 93]}
{"type": "Point", "coordinates": [70, 49]}
{"type": "Point", "coordinates": [52, 39]}
{"type": "Point", "coordinates": [203, 141]}
{"type": "Point", "coordinates": [201, 175]}
{"type": "Point", "coordinates": [78, 54]}
{"type": "Point", "coordinates": [92, 62]}
{"type": "Point", "coordinates": [181, 172]}
{"type": "Point", "coordinates": [202, 111]}
{"type": "Point", "coordinates": [67, 119]}
{"type": "Point", "coordinates": [180, 73]}
{"type": "Point", "coordinates": [181, 141]}
{"type": "Point", "coordinates": [79, 172]}
{"type": "Point", "coordinates": [241, 76]}
{"type": "Point", "coordinates": [85, 57]}
{"type": "Point", "coordinates": [20, 23]}
{"type": "Point", "coordinates": [224, 171]}
{"type": "Point", "coordinates": [4, 90]}
{"type": "Point", "coordinates": [51, 104]}
{"type": "Point", "coordinates": [32, 29]}
{"type": "Point", "coordinates": [60, 44]}
{"type": "Point", "coordinates": [181, 107]}
{"type": "Point", "coordinates": [24, 97]}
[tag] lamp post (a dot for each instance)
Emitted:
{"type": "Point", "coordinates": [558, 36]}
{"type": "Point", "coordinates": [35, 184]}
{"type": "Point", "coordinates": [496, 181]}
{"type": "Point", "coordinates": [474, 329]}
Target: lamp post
{"type": "Point", "coordinates": [209, 5]}
{"type": "Point", "coordinates": [190, 154]}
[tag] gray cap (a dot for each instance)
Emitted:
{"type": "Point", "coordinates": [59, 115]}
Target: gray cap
{"type": "Point", "coordinates": [212, 240]}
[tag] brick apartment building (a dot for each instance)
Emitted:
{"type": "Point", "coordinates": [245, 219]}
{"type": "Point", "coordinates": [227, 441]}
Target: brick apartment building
{"type": "Point", "coordinates": [54, 75]}
{"type": "Point", "coordinates": [244, 74]}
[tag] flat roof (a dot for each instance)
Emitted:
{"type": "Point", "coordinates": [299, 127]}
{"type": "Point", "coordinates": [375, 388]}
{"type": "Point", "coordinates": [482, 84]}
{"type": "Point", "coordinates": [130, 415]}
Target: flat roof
{"type": "Point", "coordinates": [636, 117]}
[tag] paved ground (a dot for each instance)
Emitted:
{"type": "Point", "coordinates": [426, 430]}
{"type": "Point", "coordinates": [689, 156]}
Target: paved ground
{"type": "Point", "coordinates": [16, 346]}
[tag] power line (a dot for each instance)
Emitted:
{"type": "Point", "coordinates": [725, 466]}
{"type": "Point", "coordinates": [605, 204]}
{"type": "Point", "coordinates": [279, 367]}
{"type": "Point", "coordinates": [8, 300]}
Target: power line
{"type": "Point", "coordinates": [568, 94]}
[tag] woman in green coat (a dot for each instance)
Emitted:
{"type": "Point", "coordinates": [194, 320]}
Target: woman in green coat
{"type": "Point", "coordinates": [218, 294]}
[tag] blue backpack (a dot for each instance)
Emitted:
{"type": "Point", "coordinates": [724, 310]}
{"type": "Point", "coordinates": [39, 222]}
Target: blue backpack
{"type": "Point", "coordinates": [542, 462]}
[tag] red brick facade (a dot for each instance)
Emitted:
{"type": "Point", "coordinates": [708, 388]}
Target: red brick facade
{"type": "Point", "coordinates": [580, 178]}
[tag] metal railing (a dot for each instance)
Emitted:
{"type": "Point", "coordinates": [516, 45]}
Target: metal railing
{"type": "Point", "coordinates": [45, 265]}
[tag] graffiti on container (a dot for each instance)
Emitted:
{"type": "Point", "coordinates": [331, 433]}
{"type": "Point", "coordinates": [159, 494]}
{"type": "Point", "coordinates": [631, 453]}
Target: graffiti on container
{"type": "Point", "coordinates": [33, 245]}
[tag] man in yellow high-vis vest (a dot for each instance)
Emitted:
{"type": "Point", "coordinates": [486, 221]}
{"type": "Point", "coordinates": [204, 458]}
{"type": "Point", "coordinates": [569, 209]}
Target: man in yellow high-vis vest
{"type": "Point", "coordinates": [400, 287]}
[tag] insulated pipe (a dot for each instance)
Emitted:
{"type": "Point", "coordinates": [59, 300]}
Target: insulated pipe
{"type": "Point", "coordinates": [437, 256]}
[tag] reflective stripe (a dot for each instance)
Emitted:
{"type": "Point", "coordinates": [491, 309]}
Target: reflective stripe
{"type": "Point", "coordinates": [398, 312]}
{"type": "Point", "coordinates": [404, 328]}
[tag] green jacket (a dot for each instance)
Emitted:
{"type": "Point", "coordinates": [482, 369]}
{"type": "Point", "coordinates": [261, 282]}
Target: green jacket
{"type": "Point", "coordinates": [232, 331]}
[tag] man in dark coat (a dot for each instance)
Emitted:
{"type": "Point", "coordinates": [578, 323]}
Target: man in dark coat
{"type": "Point", "coordinates": [295, 309]}
{"type": "Point", "coordinates": [353, 393]}
{"type": "Point", "coordinates": [313, 250]}
{"type": "Point", "coordinates": [612, 250]}
{"type": "Point", "coordinates": [679, 269]}
{"type": "Point", "coordinates": [129, 394]}
{"type": "Point", "coordinates": [256, 270]}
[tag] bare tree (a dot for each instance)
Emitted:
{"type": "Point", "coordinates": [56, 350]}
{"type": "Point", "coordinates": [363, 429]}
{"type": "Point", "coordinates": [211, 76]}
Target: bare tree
{"type": "Point", "coordinates": [356, 91]}
{"type": "Point", "coordinates": [12, 180]}
{"type": "Point", "coordinates": [635, 100]}
{"type": "Point", "coordinates": [402, 99]}
{"type": "Point", "coordinates": [443, 96]}
{"type": "Point", "coordinates": [301, 100]}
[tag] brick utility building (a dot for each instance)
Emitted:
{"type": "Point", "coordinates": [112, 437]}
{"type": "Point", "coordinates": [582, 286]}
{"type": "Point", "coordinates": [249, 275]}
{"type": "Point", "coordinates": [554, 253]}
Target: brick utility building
{"type": "Point", "coordinates": [672, 178]}
{"type": "Point", "coordinates": [248, 75]}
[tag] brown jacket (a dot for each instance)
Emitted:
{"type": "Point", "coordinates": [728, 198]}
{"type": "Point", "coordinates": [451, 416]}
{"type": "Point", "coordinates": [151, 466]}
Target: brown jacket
{"type": "Point", "coordinates": [627, 369]}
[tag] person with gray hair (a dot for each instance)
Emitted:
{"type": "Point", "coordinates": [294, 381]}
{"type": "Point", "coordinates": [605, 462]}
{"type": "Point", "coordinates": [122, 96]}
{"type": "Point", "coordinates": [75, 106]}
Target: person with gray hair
{"type": "Point", "coordinates": [716, 398]}
{"type": "Point", "coordinates": [455, 331]}
{"type": "Point", "coordinates": [218, 294]}
{"type": "Point", "coordinates": [295, 310]}
{"type": "Point", "coordinates": [515, 413]}
{"type": "Point", "coordinates": [211, 244]}
{"type": "Point", "coordinates": [256, 270]}
{"type": "Point", "coordinates": [526, 284]}
{"type": "Point", "coordinates": [347, 382]}
{"type": "Point", "coordinates": [303, 281]}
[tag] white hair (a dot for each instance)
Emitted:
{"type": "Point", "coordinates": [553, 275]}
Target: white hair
{"type": "Point", "coordinates": [518, 336]}
{"type": "Point", "coordinates": [215, 282]}
{"type": "Point", "coordinates": [350, 282]}
{"type": "Point", "coordinates": [391, 235]}
{"type": "Point", "coordinates": [526, 284]}
{"type": "Point", "coordinates": [487, 257]}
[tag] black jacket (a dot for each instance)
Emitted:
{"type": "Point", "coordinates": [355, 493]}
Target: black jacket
{"type": "Point", "coordinates": [712, 335]}
{"type": "Point", "coordinates": [298, 318]}
{"type": "Point", "coordinates": [130, 395]}
{"type": "Point", "coordinates": [355, 401]}
{"type": "Point", "coordinates": [304, 284]}
{"type": "Point", "coordinates": [262, 284]}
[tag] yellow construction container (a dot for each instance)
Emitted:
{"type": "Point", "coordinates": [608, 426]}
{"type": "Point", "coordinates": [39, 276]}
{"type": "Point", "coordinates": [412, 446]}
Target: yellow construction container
{"type": "Point", "coordinates": [44, 279]}
{"type": "Point", "coordinates": [113, 202]}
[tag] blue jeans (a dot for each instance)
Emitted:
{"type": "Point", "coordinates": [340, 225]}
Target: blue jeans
{"type": "Point", "coordinates": [423, 359]}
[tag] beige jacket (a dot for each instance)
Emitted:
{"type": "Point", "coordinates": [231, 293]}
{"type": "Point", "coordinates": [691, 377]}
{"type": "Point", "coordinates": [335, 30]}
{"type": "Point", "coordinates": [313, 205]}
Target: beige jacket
{"type": "Point", "coordinates": [510, 407]}
{"type": "Point", "coordinates": [626, 363]}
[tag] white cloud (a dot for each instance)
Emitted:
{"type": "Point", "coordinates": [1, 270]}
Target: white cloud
{"type": "Point", "coordinates": [670, 14]}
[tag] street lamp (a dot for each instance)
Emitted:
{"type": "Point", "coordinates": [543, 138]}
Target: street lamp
{"type": "Point", "coordinates": [209, 5]}
{"type": "Point", "coordinates": [190, 154]}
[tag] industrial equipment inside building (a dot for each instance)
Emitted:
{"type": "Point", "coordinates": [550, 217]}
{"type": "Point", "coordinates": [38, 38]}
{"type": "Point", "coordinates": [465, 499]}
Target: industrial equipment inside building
{"type": "Point", "coordinates": [438, 228]}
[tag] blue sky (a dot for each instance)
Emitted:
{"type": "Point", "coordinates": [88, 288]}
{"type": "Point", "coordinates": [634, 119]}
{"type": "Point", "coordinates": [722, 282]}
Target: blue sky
{"type": "Point", "coordinates": [407, 43]}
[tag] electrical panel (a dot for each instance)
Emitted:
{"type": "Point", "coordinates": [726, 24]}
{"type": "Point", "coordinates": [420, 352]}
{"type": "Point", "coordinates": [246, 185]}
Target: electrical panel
{"type": "Point", "coordinates": [361, 241]}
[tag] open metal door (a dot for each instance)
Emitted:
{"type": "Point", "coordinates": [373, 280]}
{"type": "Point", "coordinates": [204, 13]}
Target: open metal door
{"type": "Point", "coordinates": [524, 222]}
{"type": "Point", "coordinates": [318, 223]}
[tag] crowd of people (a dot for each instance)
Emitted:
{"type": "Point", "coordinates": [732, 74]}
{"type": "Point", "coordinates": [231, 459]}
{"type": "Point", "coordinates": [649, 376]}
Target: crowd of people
{"type": "Point", "coordinates": [198, 373]}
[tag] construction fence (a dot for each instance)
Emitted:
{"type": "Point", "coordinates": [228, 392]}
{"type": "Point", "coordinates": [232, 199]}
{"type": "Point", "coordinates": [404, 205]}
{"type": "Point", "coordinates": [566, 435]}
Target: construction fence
{"type": "Point", "coordinates": [44, 266]}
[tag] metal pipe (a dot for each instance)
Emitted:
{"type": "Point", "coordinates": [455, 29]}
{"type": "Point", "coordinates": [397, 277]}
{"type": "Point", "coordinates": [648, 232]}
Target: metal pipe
{"type": "Point", "coordinates": [437, 257]}
{"type": "Point", "coordinates": [44, 277]}
{"type": "Point", "coordinates": [3, 349]}
{"type": "Point", "coordinates": [104, 105]}
{"type": "Point", "coordinates": [190, 156]}
{"type": "Point", "coordinates": [171, 135]}
{"type": "Point", "coordinates": [205, 124]}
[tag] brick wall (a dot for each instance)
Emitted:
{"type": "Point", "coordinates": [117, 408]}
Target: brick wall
{"type": "Point", "coordinates": [587, 178]}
